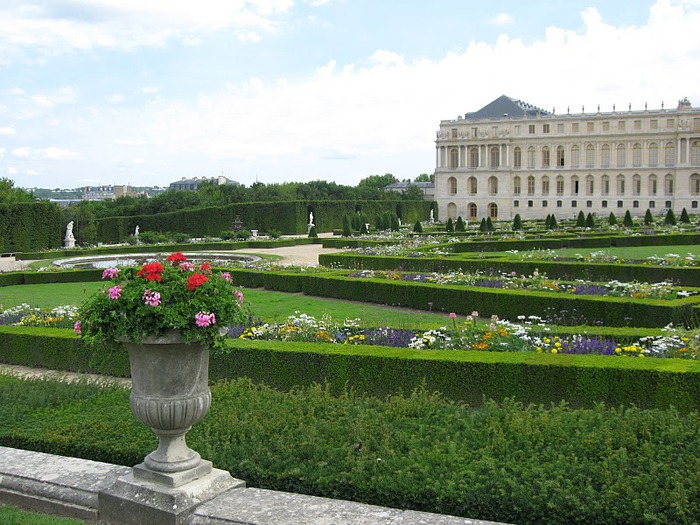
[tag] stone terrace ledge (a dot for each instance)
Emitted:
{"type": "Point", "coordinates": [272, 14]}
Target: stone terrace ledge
{"type": "Point", "coordinates": [70, 487]}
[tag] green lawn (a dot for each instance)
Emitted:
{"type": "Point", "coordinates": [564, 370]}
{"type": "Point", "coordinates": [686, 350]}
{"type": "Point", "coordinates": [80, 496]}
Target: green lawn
{"type": "Point", "coordinates": [269, 306]}
{"type": "Point", "coordinates": [15, 516]}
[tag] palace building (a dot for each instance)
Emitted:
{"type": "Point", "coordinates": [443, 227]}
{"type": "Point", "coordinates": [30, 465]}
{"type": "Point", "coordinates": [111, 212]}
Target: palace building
{"type": "Point", "coordinates": [511, 157]}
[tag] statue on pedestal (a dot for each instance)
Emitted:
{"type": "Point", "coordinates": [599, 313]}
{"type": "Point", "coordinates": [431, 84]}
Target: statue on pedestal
{"type": "Point", "coordinates": [69, 239]}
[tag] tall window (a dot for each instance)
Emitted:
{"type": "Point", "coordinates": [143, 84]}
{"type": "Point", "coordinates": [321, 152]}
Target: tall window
{"type": "Point", "coordinates": [452, 211]}
{"type": "Point", "coordinates": [653, 154]}
{"type": "Point", "coordinates": [531, 157]}
{"type": "Point", "coordinates": [493, 185]}
{"type": "Point", "coordinates": [545, 185]}
{"type": "Point", "coordinates": [560, 185]}
{"type": "Point", "coordinates": [670, 156]}
{"type": "Point", "coordinates": [452, 186]}
{"type": "Point", "coordinates": [560, 156]}
{"type": "Point", "coordinates": [695, 152]}
{"type": "Point", "coordinates": [653, 187]}
{"type": "Point", "coordinates": [589, 185]}
{"type": "Point", "coordinates": [695, 184]}
{"type": "Point", "coordinates": [636, 185]}
{"type": "Point", "coordinates": [495, 157]}
{"type": "Point", "coordinates": [472, 211]}
{"type": "Point", "coordinates": [636, 155]}
{"type": "Point", "coordinates": [517, 158]}
{"type": "Point", "coordinates": [621, 155]}
{"type": "Point", "coordinates": [493, 210]}
{"type": "Point", "coordinates": [605, 156]}
{"type": "Point", "coordinates": [454, 158]}
{"type": "Point", "coordinates": [545, 157]}
{"type": "Point", "coordinates": [668, 185]}
{"type": "Point", "coordinates": [473, 157]}
{"type": "Point", "coordinates": [590, 156]}
{"type": "Point", "coordinates": [531, 185]}
{"type": "Point", "coordinates": [620, 184]}
{"type": "Point", "coordinates": [471, 183]}
{"type": "Point", "coordinates": [575, 156]}
{"type": "Point", "coordinates": [605, 185]}
{"type": "Point", "coordinates": [516, 185]}
{"type": "Point", "coordinates": [574, 185]}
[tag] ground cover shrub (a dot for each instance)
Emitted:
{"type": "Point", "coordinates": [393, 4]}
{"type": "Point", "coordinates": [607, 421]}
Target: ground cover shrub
{"type": "Point", "coordinates": [509, 462]}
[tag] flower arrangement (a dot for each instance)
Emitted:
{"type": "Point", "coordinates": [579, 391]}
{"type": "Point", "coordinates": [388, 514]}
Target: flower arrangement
{"type": "Point", "coordinates": [159, 297]}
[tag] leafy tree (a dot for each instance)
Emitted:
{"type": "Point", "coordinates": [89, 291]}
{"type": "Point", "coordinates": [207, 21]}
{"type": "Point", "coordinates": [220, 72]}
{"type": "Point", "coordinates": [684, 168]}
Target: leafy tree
{"type": "Point", "coordinates": [684, 217]}
{"type": "Point", "coordinates": [378, 182]}
{"type": "Point", "coordinates": [612, 220]}
{"type": "Point", "coordinates": [459, 225]}
{"type": "Point", "coordinates": [627, 221]}
{"type": "Point", "coordinates": [424, 177]}
{"type": "Point", "coordinates": [590, 221]}
{"type": "Point", "coordinates": [580, 220]}
{"type": "Point", "coordinates": [670, 218]}
{"type": "Point", "coordinates": [450, 226]}
{"type": "Point", "coordinates": [649, 218]}
{"type": "Point", "coordinates": [11, 195]}
{"type": "Point", "coordinates": [518, 222]}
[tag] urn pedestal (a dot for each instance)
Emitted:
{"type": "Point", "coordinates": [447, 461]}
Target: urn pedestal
{"type": "Point", "coordinates": [169, 393]}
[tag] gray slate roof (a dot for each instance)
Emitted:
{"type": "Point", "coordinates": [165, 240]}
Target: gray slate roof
{"type": "Point", "coordinates": [505, 106]}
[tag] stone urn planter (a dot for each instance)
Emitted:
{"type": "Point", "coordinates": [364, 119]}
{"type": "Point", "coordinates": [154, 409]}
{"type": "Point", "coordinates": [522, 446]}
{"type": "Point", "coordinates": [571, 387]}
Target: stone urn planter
{"type": "Point", "coordinates": [169, 393]}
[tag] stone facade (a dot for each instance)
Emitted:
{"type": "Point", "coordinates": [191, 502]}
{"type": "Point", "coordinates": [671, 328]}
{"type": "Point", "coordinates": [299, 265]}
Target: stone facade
{"type": "Point", "coordinates": [511, 157]}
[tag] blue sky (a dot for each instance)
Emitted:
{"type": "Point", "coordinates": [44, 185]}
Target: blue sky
{"type": "Point", "coordinates": [145, 92]}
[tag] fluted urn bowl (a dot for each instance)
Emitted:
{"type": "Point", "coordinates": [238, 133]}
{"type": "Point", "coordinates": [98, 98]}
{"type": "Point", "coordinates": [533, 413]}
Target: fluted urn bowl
{"type": "Point", "coordinates": [169, 393]}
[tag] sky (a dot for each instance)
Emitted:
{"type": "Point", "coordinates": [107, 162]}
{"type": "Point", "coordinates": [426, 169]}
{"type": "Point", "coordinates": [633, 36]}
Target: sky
{"type": "Point", "coordinates": [146, 92]}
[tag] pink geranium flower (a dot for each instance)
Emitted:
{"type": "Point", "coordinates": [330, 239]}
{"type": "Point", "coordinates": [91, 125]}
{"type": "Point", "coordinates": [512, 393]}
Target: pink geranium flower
{"type": "Point", "coordinates": [151, 298]}
{"type": "Point", "coordinates": [76, 328]}
{"type": "Point", "coordinates": [110, 273]}
{"type": "Point", "coordinates": [115, 292]}
{"type": "Point", "coordinates": [239, 295]}
{"type": "Point", "coordinates": [227, 276]}
{"type": "Point", "coordinates": [203, 319]}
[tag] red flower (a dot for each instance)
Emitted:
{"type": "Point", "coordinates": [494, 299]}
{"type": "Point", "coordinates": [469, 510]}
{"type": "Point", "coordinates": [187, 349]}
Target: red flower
{"type": "Point", "coordinates": [151, 271]}
{"type": "Point", "coordinates": [205, 267]}
{"type": "Point", "coordinates": [195, 280]}
{"type": "Point", "coordinates": [176, 258]}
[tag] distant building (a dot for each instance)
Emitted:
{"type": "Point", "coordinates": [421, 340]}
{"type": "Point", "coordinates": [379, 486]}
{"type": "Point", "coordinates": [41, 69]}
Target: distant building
{"type": "Point", "coordinates": [510, 157]}
{"type": "Point", "coordinates": [193, 184]}
{"type": "Point", "coordinates": [109, 192]}
{"type": "Point", "coordinates": [426, 188]}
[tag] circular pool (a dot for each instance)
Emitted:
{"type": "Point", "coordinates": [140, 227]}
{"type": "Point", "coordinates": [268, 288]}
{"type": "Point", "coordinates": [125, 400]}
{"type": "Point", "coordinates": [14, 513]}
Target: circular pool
{"type": "Point", "coordinates": [220, 259]}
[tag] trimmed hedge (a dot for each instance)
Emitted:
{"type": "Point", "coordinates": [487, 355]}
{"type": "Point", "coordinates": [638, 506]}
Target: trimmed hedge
{"type": "Point", "coordinates": [467, 376]}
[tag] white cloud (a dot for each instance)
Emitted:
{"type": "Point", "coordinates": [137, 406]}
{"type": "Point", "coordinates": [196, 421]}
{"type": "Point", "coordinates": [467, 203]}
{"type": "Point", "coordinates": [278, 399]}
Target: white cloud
{"type": "Point", "coordinates": [7, 131]}
{"type": "Point", "coordinates": [61, 154]}
{"type": "Point", "coordinates": [22, 153]}
{"type": "Point", "coordinates": [50, 153]}
{"type": "Point", "coordinates": [2, 152]}
{"type": "Point", "coordinates": [502, 19]}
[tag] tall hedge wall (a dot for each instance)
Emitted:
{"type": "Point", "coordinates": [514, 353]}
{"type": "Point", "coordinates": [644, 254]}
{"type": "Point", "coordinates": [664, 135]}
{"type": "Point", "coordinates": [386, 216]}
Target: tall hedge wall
{"type": "Point", "coordinates": [287, 217]}
{"type": "Point", "coordinates": [31, 226]}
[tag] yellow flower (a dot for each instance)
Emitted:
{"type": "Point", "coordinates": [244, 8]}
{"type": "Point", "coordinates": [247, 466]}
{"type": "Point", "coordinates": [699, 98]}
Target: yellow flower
{"type": "Point", "coordinates": [554, 350]}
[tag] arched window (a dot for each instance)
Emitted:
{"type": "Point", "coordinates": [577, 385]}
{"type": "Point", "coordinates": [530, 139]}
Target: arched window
{"type": "Point", "coordinates": [636, 154]}
{"type": "Point", "coordinates": [495, 157]}
{"type": "Point", "coordinates": [493, 210]}
{"type": "Point", "coordinates": [668, 184]}
{"type": "Point", "coordinates": [452, 211]}
{"type": "Point", "coordinates": [531, 157]}
{"type": "Point", "coordinates": [695, 152]}
{"type": "Point", "coordinates": [473, 157]}
{"type": "Point", "coordinates": [545, 185]}
{"type": "Point", "coordinates": [670, 154]}
{"type": "Point", "coordinates": [517, 158]}
{"type": "Point", "coordinates": [653, 154]}
{"type": "Point", "coordinates": [620, 184]}
{"type": "Point", "coordinates": [471, 183]}
{"type": "Point", "coordinates": [590, 156]}
{"type": "Point", "coordinates": [653, 184]}
{"type": "Point", "coordinates": [493, 185]}
{"type": "Point", "coordinates": [575, 156]}
{"type": "Point", "coordinates": [472, 211]}
{"type": "Point", "coordinates": [452, 186]}
{"type": "Point", "coordinates": [545, 157]}
{"type": "Point", "coordinates": [560, 156]}
{"type": "Point", "coordinates": [605, 185]}
{"type": "Point", "coordinates": [516, 185]}
{"type": "Point", "coordinates": [531, 185]}
{"type": "Point", "coordinates": [605, 156]}
{"type": "Point", "coordinates": [589, 185]}
{"type": "Point", "coordinates": [574, 185]}
{"type": "Point", "coordinates": [695, 184]}
{"type": "Point", "coordinates": [621, 156]}
{"type": "Point", "coordinates": [560, 185]}
{"type": "Point", "coordinates": [454, 158]}
{"type": "Point", "coordinates": [636, 184]}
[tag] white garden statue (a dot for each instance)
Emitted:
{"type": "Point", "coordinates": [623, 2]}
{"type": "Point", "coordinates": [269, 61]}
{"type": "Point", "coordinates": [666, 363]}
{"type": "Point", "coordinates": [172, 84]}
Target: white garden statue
{"type": "Point", "coordinates": [69, 239]}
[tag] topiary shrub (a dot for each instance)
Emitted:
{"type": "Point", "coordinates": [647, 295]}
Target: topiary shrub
{"type": "Point", "coordinates": [590, 221]}
{"type": "Point", "coordinates": [627, 221]}
{"type": "Point", "coordinates": [450, 226]}
{"type": "Point", "coordinates": [580, 220]}
{"type": "Point", "coordinates": [649, 218]}
{"type": "Point", "coordinates": [418, 227]}
{"type": "Point", "coordinates": [460, 226]}
{"type": "Point", "coordinates": [489, 225]}
{"type": "Point", "coordinates": [684, 217]}
{"type": "Point", "coordinates": [670, 218]}
{"type": "Point", "coordinates": [612, 220]}
{"type": "Point", "coordinates": [518, 222]}
{"type": "Point", "coordinates": [312, 232]}
{"type": "Point", "coordinates": [482, 225]}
